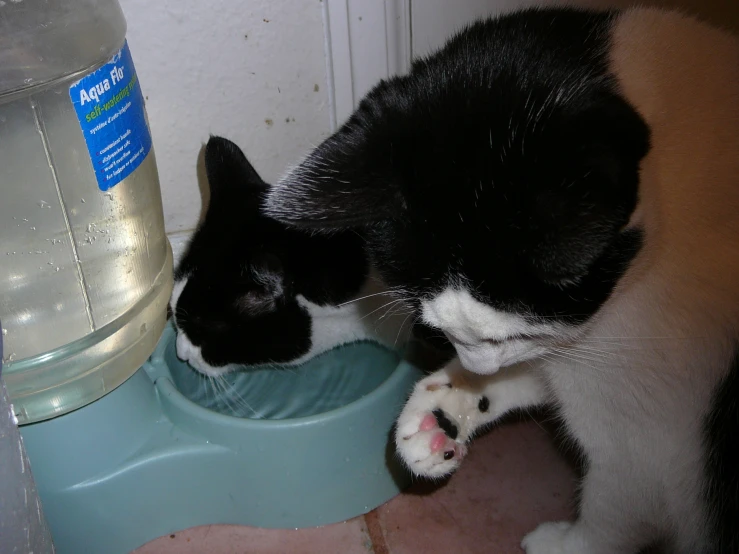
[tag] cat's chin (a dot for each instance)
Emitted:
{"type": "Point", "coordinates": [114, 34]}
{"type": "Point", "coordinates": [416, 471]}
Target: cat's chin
{"type": "Point", "coordinates": [188, 352]}
{"type": "Point", "coordinates": [490, 360]}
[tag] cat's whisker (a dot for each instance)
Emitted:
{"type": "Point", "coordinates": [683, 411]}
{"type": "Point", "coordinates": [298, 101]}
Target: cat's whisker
{"type": "Point", "coordinates": [392, 309]}
{"type": "Point", "coordinates": [584, 362]}
{"type": "Point", "coordinates": [603, 354]}
{"type": "Point", "coordinates": [230, 393]}
{"type": "Point", "coordinates": [535, 317]}
{"type": "Point", "coordinates": [398, 309]}
{"type": "Point", "coordinates": [402, 326]}
{"type": "Point", "coordinates": [380, 308]}
{"type": "Point", "coordinates": [582, 365]}
{"type": "Point", "coordinates": [220, 396]}
{"type": "Point", "coordinates": [609, 342]}
{"type": "Point", "coordinates": [292, 369]}
{"type": "Point", "coordinates": [595, 347]}
{"type": "Point", "coordinates": [578, 356]}
{"type": "Point", "coordinates": [381, 293]}
{"type": "Point", "coordinates": [391, 319]}
{"type": "Point", "coordinates": [635, 343]}
{"type": "Point", "coordinates": [239, 398]}
{"type": "Point", "coordinates": [208, 387]}
{"type": "Point", "coordinates": [380, 324]}
{"type": "Point", "coordinates": [398, 291]}
{"type": "Point", "coordinates": [648, 338]}
{"type": "Point", "coordinates": [180, 313]}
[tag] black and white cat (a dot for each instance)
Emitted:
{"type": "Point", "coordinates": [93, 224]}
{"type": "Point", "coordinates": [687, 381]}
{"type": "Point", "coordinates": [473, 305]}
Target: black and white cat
{"type": "Point", "coordinates": [558, 191]}
{"type": "Point", "coordinates": [249, 290]}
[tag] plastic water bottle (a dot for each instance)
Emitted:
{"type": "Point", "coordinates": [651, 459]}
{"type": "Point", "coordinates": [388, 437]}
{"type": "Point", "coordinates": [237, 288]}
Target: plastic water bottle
{"type": "Point", "coordinates": [85, 266]}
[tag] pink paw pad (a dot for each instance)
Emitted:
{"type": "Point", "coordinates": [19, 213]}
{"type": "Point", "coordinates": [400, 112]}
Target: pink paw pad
{"type": "Point", "coordinates": [428, 423]}
{"type": "Point", "coordinates": [438, 441]}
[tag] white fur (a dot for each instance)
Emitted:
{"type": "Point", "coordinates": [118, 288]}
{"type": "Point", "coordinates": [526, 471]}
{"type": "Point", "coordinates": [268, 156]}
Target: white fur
{"type": "Point", "coordinates": [177, 289]}
{"type": "Point", "coordinates": [486, 339]}
{"type": "Point", "coordinates": [628, 392]}
{"type": "Point", "coordinates": [552, 538]}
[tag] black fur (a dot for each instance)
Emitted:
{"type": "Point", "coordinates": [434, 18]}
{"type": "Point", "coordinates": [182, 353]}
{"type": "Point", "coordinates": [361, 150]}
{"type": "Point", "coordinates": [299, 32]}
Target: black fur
{"type": "Point", "coordinates": [484, 404]}
{"type": "Point", "coordinates": [446, 424]}
{"type": "Point", "coordinates": [507, 160]}
{"type": "Point", "coordinates": [721, 430]}
{"type": "Point", "coordinates": [244, 271]}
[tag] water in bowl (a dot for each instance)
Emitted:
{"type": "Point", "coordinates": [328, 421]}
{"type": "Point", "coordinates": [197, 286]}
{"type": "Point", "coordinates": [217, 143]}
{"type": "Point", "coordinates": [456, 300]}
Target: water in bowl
{"type": "Point", "coordinates": [324, 383]}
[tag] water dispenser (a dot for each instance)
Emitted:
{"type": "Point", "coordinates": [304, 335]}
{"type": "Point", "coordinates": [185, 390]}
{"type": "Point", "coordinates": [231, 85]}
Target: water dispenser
{"type": "Point", "coordinates": [122, 444]}
{"type": "Point", "coordinates": [85, 266]}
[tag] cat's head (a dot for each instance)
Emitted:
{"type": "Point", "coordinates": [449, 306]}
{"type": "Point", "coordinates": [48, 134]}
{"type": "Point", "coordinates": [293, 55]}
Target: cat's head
{"type": "Point", "coordinates": [243, 285]}
{"type": "Point", "coordinates": [494, 184]}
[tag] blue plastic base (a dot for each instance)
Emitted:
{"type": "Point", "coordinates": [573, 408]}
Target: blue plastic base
{"type": "Point", "coordinates": [145, 461]}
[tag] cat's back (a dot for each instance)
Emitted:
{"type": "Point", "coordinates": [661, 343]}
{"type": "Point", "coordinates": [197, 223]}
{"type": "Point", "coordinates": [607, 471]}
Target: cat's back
{"type": "Point", "coordinates": [665, 60]}
{"type": "Point", "coordinates": [682, 76]}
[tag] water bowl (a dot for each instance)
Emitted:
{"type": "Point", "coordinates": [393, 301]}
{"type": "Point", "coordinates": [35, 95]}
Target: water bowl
{"type": "Point", "coordinates": [272, 392]}
{"type": "Point", "coordinates": [275, 447]}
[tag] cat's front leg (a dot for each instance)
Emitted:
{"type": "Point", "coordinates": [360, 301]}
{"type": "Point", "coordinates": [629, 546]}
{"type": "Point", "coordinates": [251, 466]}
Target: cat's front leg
{"type": "Point", "coordinates": [612, 516]}
{"type": "Point", "coordinates": [449, 406]}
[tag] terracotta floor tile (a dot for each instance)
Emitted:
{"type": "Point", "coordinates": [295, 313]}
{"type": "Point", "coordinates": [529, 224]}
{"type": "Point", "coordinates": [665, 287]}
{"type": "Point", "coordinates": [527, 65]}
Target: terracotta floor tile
{"type": "Point", "coordinates": [512, 479]}
{"type": "Point", "coordinates": [341, 538]}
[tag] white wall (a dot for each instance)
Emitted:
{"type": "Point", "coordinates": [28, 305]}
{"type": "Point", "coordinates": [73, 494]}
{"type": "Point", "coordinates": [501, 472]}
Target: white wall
{"type": "Point", "coordinates": [240, 69]}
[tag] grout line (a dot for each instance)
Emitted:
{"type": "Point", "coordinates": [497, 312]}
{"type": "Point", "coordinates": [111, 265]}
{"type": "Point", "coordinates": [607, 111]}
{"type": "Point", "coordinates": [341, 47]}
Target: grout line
{"type": "Point", "coordinates": [374, 529]}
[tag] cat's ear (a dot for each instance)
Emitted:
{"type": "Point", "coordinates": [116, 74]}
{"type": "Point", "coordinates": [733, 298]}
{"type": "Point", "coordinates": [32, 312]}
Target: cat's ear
{"type": "Point", "coordinates": [230, 175]}
{"type": "Point", "coordinates": [345, 182]}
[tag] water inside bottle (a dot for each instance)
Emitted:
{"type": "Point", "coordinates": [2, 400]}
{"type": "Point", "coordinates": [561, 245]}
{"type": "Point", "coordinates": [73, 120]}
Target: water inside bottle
{"type": "Point", "coordinates": [75, 259]}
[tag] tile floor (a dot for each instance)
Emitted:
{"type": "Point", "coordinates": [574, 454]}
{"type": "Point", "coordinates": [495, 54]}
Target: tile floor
{"type": "Point", "coordinates": [513, 479]}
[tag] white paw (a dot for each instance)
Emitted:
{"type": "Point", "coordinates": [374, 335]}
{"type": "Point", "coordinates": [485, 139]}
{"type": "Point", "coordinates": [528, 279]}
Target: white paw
{"type": "Point", "coordinates": [549, 538]}
{"type": "Point", "coordinates": [437, 421]}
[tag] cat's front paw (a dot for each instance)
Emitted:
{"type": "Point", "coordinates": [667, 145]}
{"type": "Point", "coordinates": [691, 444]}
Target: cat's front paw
{"type": "Point", "coordinates": [552, 538]}
{"type": "Point", "coordinates": [428, 450]}
{"type": "Point", "coordinates": [436, 423]}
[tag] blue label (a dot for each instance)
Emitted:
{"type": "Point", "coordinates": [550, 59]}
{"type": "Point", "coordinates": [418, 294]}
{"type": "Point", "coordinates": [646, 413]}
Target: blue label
{"type": "Point", "coordinates": [110, 108]}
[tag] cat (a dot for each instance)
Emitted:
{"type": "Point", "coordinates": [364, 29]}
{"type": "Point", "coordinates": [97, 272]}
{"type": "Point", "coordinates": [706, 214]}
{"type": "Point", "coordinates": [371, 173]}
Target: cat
{"type": "Point", "coordinates": [557, 190]}
{"type": "Point", "coordinates": [249, 290]}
